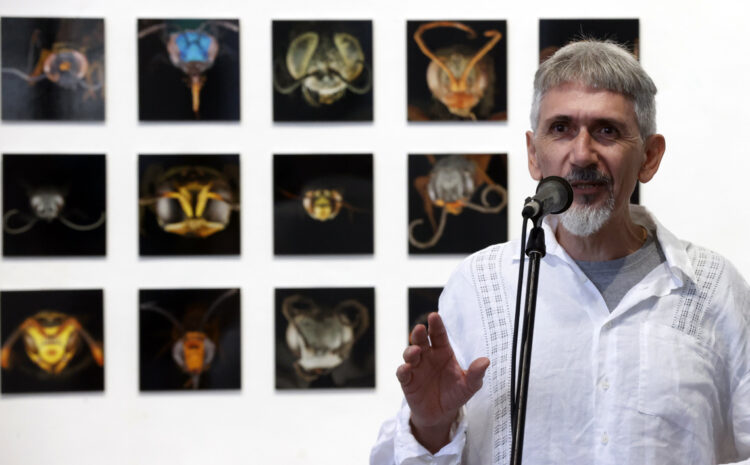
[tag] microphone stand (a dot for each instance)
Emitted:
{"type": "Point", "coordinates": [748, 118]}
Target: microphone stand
{"type": "Point", "coordinates": [535, 250]}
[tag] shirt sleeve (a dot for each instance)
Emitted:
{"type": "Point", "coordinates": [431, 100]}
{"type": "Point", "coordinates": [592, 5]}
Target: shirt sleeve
{"type": "Point", "coordinates": [397, 446]}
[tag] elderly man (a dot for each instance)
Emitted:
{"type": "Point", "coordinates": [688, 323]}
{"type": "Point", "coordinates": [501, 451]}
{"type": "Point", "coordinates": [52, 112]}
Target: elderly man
{"type": "Point", "coordinates": [642, 341]}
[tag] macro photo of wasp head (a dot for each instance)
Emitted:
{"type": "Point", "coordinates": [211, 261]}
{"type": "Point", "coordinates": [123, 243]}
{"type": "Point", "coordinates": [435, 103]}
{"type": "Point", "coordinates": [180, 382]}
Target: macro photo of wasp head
{"type": "Point", "coordinates": [52, 341]}
{"type": "Point", "coordinates": [189, 204]}
{"type": "Point", "coordinates": [52, 69]}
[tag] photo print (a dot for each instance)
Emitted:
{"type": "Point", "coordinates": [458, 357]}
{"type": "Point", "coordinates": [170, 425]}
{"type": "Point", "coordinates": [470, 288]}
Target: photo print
{"type": "Point", "coordinates": [555, 33]}
{"type": "Point", "coordinates": [52, 341]}
{"type": "Point", "coordinates": [189, 204]}
{"type": "Point", "coordinates": [323, 204]}
{"type": "Point", "coordinates": [189, 69]}
{"type": "Point", "coordinates": [189, 339]}
{"type": "Point", "coordinates": [457, 202]}
{"type": "Point", "coordinates": [456, 70]}
{"type": "Point", "coordinates": [322, 71]}
{"type": "Point", "coordinates": [54, 205]}
{"type": "Point", "coordinates": [422, 302]}
{"type": "Point", "coordinates": [325, 338]}
{"type": "Point", "coordinates": [52, 69]}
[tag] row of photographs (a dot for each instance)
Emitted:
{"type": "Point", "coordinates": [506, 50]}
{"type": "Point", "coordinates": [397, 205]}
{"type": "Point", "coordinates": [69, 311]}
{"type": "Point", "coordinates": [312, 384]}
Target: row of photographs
{"type": "Point", "coordinates": [190, 339]}
{"type": "Point", "coordinates": [56, 205]}
{"type": "Point", "coordinates": [189, 69]}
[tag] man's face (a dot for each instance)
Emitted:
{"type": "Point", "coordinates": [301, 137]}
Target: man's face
{"type": "Point", "coordinates": [590, 137]}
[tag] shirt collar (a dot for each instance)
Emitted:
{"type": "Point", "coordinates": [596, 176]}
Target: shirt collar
{"type": "Point", "coordinates": [674, 249]}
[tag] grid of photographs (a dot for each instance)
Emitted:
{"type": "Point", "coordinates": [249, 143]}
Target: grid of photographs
{"type": "Point", "coordinates": [322, 71]}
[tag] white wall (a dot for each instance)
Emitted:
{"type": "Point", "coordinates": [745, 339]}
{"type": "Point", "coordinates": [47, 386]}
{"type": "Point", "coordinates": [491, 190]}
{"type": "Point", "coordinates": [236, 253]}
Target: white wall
{"type": "Point", "coordinates": [694, 50]}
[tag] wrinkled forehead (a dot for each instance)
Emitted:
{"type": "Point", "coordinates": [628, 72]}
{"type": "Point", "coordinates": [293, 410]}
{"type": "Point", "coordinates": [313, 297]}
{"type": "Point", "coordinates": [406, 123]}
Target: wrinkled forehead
{"type": "Point", "coordinates": [579, 100]}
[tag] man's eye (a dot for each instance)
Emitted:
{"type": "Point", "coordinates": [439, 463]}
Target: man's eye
{"type": "Point", "coordinates": [559, 128]}
{"type": "Point", "coordinates": [608, 131]}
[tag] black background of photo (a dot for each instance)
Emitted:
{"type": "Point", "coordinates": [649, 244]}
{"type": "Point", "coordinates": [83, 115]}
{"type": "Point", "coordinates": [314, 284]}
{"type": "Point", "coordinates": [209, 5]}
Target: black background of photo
{"type": "Point", "coordinates": [470, 230]}
{"type": "Point", "coordinates": [46, 100]}
{"type": "Point", "coordinates": [85, 179]}
{"type": "Point", "coordinates": [294, 107]}
{"type": "Point", "coordinates": [351, 232]}
{"type": "Point", "coordinates": [25, 376]}
{"type": "Point", "coordinates": [422, 302]}
{"type": "Point", "coordinates": [163, 94]}
{"type": "Point", "coordinates": [419, 94]}
{"type": "Point", "coordinates": [158, 370]}
{"type": "Point", "coordinates": [358, 371]}
{"type": "Point", "coordinates": [154, 241]}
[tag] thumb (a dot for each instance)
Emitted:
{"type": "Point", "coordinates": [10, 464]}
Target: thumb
{"type": "Point", "coordinates": [475, 373]}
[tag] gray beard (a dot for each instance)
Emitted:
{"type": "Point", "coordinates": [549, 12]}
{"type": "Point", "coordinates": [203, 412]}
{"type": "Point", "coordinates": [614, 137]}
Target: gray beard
{"type": "Point", "coordinates": [585, 220]}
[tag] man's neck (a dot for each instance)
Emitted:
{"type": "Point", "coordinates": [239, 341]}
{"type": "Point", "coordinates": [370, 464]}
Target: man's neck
{"type": "Point", "coordinates": [618, 238]}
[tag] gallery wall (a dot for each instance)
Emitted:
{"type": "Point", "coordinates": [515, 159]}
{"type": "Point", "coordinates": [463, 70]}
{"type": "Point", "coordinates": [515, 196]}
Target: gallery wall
{"type": "Point", "coordinates": [689, 48]}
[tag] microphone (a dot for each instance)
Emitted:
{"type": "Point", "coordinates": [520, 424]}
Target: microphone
{"type": "Point", "coordinates": [553, 195]}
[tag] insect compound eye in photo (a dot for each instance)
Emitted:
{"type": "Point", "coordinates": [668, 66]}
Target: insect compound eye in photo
{"type": "Point", "coordinates": [52, 341]}
{"type": "Point", "coordinates": [556, 33]}
{"type": "Point", "coordinates": [189, 204]}
{"type": "Point", "coordinates": [54, 205]}
{"type": "Point", "coordinates": [52, 69]}
{"type": "Point", "coordinates": [456, 70]}
{"type": "Point", "coordinates": [323, 204]}
{"type": "Point", "coordinates": [189, 339]}
{"type": "Point", "coordinates": [188, 69]}
{"type": "Point", "coordinates": [457, 202]}
{"type": "Point", "coordinates": [322, 71]}
{"type": "Point", "coordinates": [325, 338]}
{"type": "Point", "coordinates": [422, 302]}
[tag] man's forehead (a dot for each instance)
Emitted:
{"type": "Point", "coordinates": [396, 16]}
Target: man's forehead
{"type": "Point", "coordinates": [574, 100]}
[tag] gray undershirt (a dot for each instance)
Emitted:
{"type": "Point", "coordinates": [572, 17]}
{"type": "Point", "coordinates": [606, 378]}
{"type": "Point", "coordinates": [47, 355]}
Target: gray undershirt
{"type": "Point", "coordinates": [614, 278]}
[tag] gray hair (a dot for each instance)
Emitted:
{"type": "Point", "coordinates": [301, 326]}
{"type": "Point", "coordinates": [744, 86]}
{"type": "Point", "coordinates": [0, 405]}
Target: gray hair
{"type": "Point", "coordinates": [602, 65]}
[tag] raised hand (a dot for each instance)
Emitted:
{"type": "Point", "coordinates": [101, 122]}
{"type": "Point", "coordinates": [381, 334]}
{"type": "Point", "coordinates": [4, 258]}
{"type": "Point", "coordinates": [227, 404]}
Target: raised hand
{"type": "Point", "coordinates": [434, 384]}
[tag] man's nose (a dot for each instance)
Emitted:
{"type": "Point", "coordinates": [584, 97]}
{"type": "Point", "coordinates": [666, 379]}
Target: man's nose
{"type": "Point", "coordinates": [583, 152]}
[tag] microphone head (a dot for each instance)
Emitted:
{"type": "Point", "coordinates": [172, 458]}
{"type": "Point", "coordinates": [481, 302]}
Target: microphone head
{"type": "Point", "coordinates": [559, 192]}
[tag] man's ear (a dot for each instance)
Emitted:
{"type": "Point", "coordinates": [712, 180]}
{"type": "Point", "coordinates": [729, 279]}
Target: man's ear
{"type": "Point", "coordinates": [534, 169]}
{"type": "Point", "coordinates": [655, 146]}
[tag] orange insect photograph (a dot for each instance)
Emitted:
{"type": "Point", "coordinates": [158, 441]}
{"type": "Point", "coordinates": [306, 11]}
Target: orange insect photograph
{"type": "Point", "coordinates": [52, 341]}
{"type": "Point", "coordinates": [456, 71]}
{"type": "Point", "coordinates": [189, 339]}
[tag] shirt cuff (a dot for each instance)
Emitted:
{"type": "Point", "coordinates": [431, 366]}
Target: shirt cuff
{"type": "Point", "coordinates": [407, 447]}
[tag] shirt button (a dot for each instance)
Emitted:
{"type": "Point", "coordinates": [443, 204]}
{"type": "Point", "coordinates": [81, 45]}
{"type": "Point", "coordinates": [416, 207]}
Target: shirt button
{"type": "Point", "coordinates": [605, 384]}
{"type": "Point", "coordinates": [605, 438]}
{"type": "Point", "coordinates": [608, 325]}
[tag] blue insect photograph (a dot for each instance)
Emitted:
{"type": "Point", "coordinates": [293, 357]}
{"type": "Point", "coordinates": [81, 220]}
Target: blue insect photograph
{"type": "Point", "coordinates": [54, 205]}
{"type": "Point", "coordinates": [52, 69]}
{"type": "Point", "coordinates": [322, 71]}
{"type": "Point", "coordinates": [188, 69]}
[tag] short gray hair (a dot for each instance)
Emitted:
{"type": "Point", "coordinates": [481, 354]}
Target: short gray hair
{"type": "Point", "coordinates": [602, 65]}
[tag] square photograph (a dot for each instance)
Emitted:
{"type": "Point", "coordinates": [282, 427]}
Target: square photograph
{"type": "Point", "coordinates": [189, 69]}
{"type": "Point", "coordinates": [456, 71]}
{"type": "Point", "coordinates": [422, 302]}
{"type": "Point", "coordinates": [323, 204]}
{"type": "Point", "coordinates": [325, 338]}
{"type": "Point", "coordinates": [189, 204]}
{"type": "Point", "coordinates": [555, 33]}
{"type": "Point", "coordinates": [54, 205]}
{"type": "Point", "coordinates": [189, 339]}
{"type": "Point", "coordinates": [322, 71]}
{"type": "Point", "coordinates": [457, 202]}
{"type": "Point", "coordinates": [52, 341]}
{"type": "Point", "coordinates": [52, 69]}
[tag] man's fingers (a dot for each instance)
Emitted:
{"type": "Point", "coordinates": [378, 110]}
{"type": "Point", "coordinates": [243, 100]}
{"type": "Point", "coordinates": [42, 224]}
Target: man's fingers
{"type": "Point", "coordinates": [412, 355]}
{"type": "Point", "coordinates": [419, 336]}
{"type": "Point", "coordinates": [475, 373]}
{"type": "Point", "coordinates": [438, 334]}
{"type": "Point", "coordinates": [403, 373]}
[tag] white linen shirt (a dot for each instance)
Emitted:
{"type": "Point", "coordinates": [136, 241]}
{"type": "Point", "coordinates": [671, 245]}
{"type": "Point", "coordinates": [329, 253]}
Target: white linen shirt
{"type": "Point", "coordinates": [663, 379]}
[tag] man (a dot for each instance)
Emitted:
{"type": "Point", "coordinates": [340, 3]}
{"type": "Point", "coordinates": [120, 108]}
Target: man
{"type": "Point", "coordinates": [642, 341]}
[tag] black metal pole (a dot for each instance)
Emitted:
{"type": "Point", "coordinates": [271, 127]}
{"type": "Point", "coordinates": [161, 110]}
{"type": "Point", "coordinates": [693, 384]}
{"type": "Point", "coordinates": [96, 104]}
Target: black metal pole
{"type": "Point", "coordinates": [535, 249]}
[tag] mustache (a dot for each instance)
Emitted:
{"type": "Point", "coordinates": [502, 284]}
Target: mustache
{"type": "Point", "coordinates": [592, 175]}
